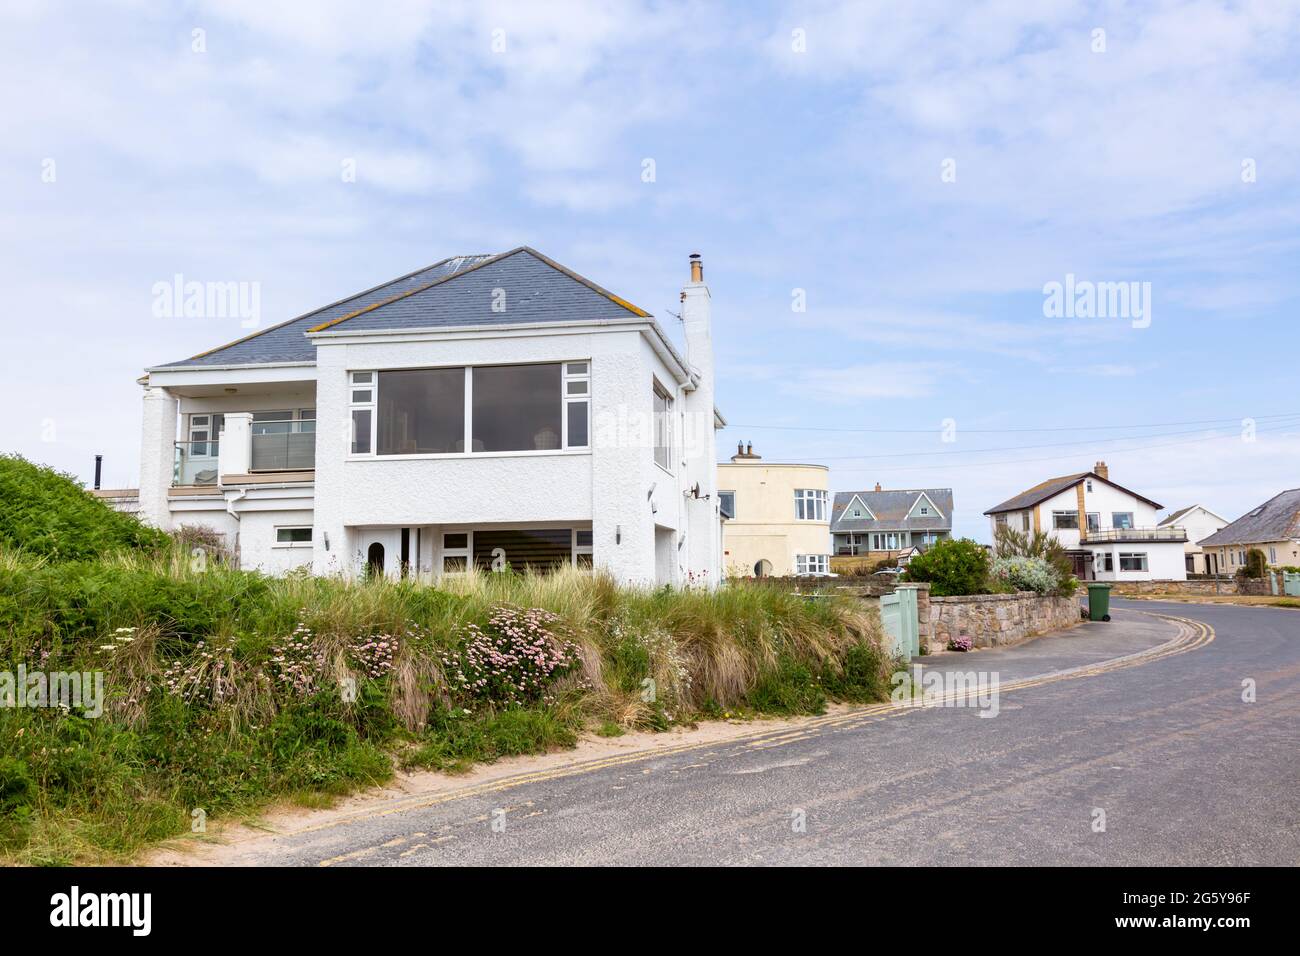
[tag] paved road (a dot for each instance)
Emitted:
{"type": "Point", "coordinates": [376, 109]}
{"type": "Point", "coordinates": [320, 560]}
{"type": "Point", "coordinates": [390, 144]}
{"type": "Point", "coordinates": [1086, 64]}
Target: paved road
{"type": "Point", "coordinates": [1185, 771]}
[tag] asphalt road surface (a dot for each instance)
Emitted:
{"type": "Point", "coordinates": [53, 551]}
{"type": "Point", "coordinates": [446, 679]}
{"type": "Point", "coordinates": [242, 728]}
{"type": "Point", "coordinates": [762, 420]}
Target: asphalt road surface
{"type": "Point", "coordinates": [1184, 770]}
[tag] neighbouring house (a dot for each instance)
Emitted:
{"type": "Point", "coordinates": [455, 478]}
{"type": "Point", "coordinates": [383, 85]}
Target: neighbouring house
{"type": "Point", "coordinates": [776, 516]}
{"type": "Point", "coordinates": [886, 523]}
{"type": "Point", "coordinates": [1199, 522]}
{"type": "Point", "coordinates": [1273, 528]}
{"type": "Point", "coordinates": [489, 411]}
{"type": "Point", "coordinates": [1109, 531]}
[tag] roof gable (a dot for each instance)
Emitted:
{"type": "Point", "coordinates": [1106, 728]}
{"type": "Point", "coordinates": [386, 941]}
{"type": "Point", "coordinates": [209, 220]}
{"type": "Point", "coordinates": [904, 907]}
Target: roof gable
{"type": "Point", "coordinates": [915, 512]}
{"type": "Point", "coordinates": [892, 510]}
{"type": "Point", "coordinates": [1054, 486]}
{"type": "Point", "coordinates": [862, 505]}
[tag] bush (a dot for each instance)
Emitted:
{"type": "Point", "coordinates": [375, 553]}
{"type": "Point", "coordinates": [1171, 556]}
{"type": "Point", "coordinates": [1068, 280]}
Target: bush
{"type": "Point", "coordinates": [1025, 574]}
{"type": "Point", "coordinates": [1009, 543]}
{"type": "Point", "coordinates": [1256, 565]}
{"type": "Point", "coordinates": [46, 513]}
{"type": "Point", "coordinates": [953, 566]}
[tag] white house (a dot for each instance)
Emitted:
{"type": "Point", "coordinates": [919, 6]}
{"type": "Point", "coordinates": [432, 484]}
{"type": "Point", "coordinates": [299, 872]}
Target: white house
{"type": "Point", "coordinates": [1109, 531]}
{"type": "Point", "coordinates": [1199, 522]}
{"type": "Point", "coordinates": [494, 411]}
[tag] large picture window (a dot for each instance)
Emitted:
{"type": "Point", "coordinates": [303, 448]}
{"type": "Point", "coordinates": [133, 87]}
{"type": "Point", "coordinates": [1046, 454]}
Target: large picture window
{"type": "Point", "coordinates": [421, 411]}
{"type": "Point", "coordinates": [512, 408]}
{"type": "Point", "coordinates": [517, 408]}
{"type": "Point", "coordinates": [1065, 520]}
{"type": "Point", "coordinates": [1132, 561]}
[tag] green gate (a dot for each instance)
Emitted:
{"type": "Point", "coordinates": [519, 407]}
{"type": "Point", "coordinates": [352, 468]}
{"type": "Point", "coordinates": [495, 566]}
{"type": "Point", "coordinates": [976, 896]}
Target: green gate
{"type": "Point", "coordinates": [1291, 583]}
{"type": "Point", "coordinates": [898, 614]}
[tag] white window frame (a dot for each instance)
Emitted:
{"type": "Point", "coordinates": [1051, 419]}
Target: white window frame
{"type": "Point", "coordinates": [583, 397]}
{"type": "Point", "coordinates": [1130, 555]}
{"type": "Point", "coordinates": [294, 544]}
{"type": "Point", "coordinates": [1057, 515]}
{"type": "Point", "coordinates": [576, 549]}
{"type": "Point", "coordinates": [732, 493]}
{"type": "Point", "coordinates": [664, 420]}
{"type": "Point", "coordinates": [810, 504]}
{"type": "Point", "coordinates": [1122, 514]}
{"type": "Point", "coordinates": [805, 564]}
{"type": "Point", "coordinates": [467, 441]}
{"type": "Point", "coordinates": [445, 552]}
{"type": "Point", "coordinates": [372, 406]}
{"type": "Point", "coordinates": [1272, 554]}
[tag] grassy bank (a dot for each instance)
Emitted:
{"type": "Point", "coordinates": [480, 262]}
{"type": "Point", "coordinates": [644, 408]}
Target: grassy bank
{"type": "Point", "coordinates": [228, 689]}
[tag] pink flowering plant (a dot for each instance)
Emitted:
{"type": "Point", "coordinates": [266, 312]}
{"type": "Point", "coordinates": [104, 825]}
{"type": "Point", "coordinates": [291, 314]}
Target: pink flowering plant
{"type": "Point", "coordinates": [515, 659]}
{"type": "Point", "coordinates": [962, 643]}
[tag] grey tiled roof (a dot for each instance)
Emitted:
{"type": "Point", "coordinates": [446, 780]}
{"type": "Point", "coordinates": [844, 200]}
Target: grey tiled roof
{"type": "Point", "coordinates": [1054, 486]}
{"type": "Point", "coordinates": [891, 509]}
{"type": "Point", "coordinates": [287, 342]}
{"type": "Point", "coordinates": [1278, 520]}
{"type": "Point", "coordinates": [524, 286]}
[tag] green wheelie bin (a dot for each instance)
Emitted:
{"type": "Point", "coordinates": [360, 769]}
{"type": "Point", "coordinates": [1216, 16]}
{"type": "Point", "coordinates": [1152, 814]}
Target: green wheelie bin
{"type": "Point", "coordinates": [1099, 602]}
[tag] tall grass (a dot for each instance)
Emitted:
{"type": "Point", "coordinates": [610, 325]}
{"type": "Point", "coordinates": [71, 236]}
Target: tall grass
{"type": "Point", "coordinates": [201, 714]}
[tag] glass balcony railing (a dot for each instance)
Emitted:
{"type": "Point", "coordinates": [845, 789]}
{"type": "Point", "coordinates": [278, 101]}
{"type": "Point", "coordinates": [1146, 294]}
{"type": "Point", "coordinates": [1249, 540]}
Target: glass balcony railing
{"type": "Point", "coordinates": [283, 446]}
{"type": "Point", "coordinates": [1120, 535]}
{"type": "Point", "coordinates": [195, 463]}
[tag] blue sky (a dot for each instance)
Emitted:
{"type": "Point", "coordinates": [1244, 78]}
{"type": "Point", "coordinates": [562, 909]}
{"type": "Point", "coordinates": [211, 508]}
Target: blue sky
{"type": "Point", "coordinates": [797, 146]}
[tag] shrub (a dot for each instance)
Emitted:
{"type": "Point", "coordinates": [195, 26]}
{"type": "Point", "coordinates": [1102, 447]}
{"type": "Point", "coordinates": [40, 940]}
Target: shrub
{"type": "Point", "coordinates": [1009, 543]}
{"type": "Point", "coordinates": [962, 644]}
{"type": "Point", "coordinates": [1256, 565]}
{"type": "Point", "coordinates": [1025, 574]}
{"type": "Point", "coordinates": [953, 566]}
{"type": "Point", "coordinates": [44, 512]}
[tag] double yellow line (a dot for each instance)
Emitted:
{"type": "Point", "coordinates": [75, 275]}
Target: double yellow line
{"type": "Point", "coordinates": [1191, 635]}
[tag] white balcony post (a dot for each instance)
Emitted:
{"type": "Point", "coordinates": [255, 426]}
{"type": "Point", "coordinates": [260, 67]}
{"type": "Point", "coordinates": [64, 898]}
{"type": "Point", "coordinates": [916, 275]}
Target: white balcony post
{"type": "Point", "coordinates": [157, 456]}
{"type": "Point", "coordinates": [235, 454]}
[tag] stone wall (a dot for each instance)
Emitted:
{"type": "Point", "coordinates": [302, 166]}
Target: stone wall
{"type": "Point", "coordinates": [994, 620]}
{"type": "Point", "coordinates": [1210, 586]}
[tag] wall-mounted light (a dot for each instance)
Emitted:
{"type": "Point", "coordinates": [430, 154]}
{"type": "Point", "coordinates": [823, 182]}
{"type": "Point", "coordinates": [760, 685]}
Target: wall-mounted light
{"type": "Point", "coordinates": [650, 494]}
{"type": "Point", "coordinates": [326, 537]}
{"type": "Point", "coordinates": [618, 534]}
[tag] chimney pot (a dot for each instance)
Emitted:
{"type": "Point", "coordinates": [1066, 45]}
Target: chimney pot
{"type": "Point", "coordinates": [1101, 470]}
{"type": "Point", "coordinates": [697, 267]}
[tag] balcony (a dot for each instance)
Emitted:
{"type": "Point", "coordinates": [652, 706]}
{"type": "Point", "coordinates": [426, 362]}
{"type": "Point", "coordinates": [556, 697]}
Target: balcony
{"type": "Point", "coordinates": [248, 448]}
{"type": "Point", "coordinates": [1132, 535]}
{"type": "Point", "coordinates": [195, 463]}
{"type": "Point", "coordinates": [283, 446]}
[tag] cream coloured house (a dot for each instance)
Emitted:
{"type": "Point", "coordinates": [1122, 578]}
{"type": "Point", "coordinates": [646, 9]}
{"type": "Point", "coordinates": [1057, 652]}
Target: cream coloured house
{"type": "Point", "coordinates": [1273, 528]}
{"type": "Point", "coordinates": [776, 517]}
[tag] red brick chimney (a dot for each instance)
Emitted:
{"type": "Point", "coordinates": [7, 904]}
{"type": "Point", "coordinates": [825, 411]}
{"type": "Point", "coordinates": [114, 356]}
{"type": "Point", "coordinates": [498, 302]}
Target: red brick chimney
{"type": "Point", "coordinates": [878, 486]}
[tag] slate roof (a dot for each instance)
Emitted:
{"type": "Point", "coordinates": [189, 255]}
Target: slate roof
{"type": "Point", "coordinates": [516, 288]}
{"type": "Point", "coordinates": [891, 509]}
{"type": "Point", "coordinates": [1278, 519]}
{"type": "Point", "coordinates": [1054, 486]}
{"type": "Point", "coordinates": [458, 291]}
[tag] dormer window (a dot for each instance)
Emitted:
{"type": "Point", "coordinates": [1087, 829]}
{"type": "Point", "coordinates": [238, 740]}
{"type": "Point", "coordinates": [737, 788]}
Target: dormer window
{"type": "Point", "coordinates": [924, 510]}
{"type": "Point", "coordinates": [857, 512]}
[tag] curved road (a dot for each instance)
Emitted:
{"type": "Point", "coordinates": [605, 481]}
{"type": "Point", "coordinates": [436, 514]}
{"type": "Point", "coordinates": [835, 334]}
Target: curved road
{"type": "Point", "coordinates": [1185, 771]}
